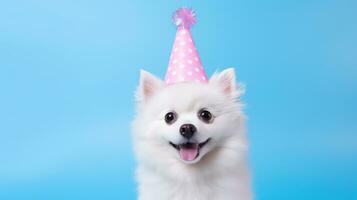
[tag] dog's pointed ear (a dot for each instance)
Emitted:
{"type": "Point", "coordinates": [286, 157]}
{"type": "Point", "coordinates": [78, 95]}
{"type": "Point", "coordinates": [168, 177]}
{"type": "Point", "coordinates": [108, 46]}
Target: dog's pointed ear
{"type": "Point", "coordinates": [148, 86]}
{"type": "Point", "coordinates": [226, 81]}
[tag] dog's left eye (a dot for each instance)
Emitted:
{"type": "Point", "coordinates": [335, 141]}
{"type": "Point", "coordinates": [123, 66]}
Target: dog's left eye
{"type": "Point", "coordinates": [205, 116]}
{"type": "Point", "coordinates": [170, 117]}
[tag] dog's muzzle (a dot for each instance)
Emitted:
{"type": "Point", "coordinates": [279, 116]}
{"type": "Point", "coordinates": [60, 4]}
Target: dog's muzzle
{"type": "Point", "coordinates": [189, 151]}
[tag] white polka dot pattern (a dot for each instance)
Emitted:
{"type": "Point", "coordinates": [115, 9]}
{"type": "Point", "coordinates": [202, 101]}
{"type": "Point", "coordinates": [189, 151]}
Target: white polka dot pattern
{"type": "Point", "coordinates": [185, 63]}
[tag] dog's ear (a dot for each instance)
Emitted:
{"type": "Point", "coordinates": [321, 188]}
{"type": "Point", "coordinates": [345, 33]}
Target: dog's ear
{"type": "Point", "coordinates": [226, 81]}
{"type": "Point", "coordinates": [148, 86]}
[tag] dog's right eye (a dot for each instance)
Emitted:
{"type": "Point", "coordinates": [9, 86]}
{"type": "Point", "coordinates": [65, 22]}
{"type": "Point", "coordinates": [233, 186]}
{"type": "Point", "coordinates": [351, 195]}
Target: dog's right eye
{"type": "Point", "coordinates": [170, 117]}
{"type": "Point", "coordinates": [205, 116]}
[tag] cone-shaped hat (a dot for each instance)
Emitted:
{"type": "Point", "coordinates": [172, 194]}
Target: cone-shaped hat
{"type": "Point", "coordinates": [185, 63]}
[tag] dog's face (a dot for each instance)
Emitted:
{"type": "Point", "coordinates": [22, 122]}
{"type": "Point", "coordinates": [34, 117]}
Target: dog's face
{"type": "Point", "coordinates": [185, 121]}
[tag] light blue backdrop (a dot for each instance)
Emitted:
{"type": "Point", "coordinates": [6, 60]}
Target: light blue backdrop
{"type": "Point", "coordinates": [68, 70]}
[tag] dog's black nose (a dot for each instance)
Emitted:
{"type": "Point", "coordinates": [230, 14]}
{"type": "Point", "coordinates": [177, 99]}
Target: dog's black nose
{"type": "Point", "coordinates": [187, 130]}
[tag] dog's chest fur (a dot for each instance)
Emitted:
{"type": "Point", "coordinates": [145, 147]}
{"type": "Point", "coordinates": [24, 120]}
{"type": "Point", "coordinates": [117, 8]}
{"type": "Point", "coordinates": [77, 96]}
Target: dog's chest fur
{"type": "Point", "coordinates": [210, 183]}
{"type": "Point", "coordinates": [225, 188]}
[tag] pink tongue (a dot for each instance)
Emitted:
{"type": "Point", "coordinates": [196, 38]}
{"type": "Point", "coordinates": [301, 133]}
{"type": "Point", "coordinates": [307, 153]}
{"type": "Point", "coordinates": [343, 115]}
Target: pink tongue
{"type": "Point", "coordinates": [189, 154]}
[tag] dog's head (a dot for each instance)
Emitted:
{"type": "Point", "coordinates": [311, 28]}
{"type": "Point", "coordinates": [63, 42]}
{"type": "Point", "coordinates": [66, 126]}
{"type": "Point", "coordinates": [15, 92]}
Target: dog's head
{"type": "Point", "coordinates": [186, 121]}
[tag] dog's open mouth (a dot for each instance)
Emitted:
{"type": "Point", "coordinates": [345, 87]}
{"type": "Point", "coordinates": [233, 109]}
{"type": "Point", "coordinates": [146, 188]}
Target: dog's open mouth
{"type": "Point", "coordinates": [189, 151]}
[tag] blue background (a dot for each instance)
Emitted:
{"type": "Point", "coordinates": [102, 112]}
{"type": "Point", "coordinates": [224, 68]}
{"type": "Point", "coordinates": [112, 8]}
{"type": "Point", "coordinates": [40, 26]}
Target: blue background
{"type": "Point", "coordinates": [68, 71]}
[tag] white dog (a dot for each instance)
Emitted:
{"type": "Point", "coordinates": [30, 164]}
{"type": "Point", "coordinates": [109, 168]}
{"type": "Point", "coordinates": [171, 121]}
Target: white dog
{"type": "Point", "coordinates": [190, 141]}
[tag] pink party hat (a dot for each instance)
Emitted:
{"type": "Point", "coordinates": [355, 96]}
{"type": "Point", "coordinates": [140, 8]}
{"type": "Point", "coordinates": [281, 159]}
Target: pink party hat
{"type": "Point", "coordinates": [185, 64]}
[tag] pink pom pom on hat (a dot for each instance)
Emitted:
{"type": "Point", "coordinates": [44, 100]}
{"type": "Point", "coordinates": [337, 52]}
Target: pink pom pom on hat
{"type": "Point", "coordinates": [185, 64]}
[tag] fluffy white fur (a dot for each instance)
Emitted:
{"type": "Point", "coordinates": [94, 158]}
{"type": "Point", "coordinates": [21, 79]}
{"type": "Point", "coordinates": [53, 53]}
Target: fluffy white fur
{"type": "Point", "coordinates": [220, 172]}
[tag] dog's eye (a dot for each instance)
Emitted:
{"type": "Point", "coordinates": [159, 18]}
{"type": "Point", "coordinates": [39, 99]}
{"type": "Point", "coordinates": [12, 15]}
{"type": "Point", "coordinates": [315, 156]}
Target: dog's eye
{"type": "Point", "coordinates": [170, 117]}
{"type": "Point", "coordinates": [205, 116]}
